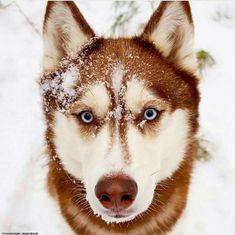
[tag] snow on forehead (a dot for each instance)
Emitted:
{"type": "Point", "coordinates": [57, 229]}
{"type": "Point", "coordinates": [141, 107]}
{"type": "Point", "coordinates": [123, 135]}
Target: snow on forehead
{"type": "Point", "coordinates": [59, 83]}
{"type": "Point", "coordinates": [69, 77]}
{"type": "Point", "coordinates": [62, 80]}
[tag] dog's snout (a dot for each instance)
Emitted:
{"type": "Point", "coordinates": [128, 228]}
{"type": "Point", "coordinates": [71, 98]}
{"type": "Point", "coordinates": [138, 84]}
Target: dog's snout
{"type": "Point", "coordinates": [116, 193]}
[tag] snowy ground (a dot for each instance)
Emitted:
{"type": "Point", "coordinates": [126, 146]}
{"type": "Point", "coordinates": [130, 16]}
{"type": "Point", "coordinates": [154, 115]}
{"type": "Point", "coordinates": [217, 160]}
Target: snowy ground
{"type": "Point", "coordinates": [211, 208]}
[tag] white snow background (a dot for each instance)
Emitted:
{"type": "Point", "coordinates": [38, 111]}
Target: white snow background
{"type": "Point", "coordinates": [24, 203]}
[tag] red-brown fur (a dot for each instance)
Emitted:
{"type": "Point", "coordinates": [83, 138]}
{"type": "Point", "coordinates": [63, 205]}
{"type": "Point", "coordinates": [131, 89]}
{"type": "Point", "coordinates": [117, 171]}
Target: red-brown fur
{"type": "Point", "coordinates": [175, 86]}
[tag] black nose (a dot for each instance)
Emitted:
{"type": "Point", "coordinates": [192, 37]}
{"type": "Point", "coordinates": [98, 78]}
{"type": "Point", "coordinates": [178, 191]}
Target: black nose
{"type": "Point", "coordinates": [116, 193]}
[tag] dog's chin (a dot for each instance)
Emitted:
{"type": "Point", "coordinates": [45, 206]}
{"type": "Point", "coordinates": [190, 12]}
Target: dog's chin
{"type": "Point", "coordinates": [117, 217]}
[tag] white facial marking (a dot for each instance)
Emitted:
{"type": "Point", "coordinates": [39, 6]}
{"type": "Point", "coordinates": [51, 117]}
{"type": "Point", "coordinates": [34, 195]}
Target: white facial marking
{"type": "Point", "coordinates": [97, 98]}
{"type": "Point", "coordinates": [118, 89]}
{"type": "Point", "coordinates": [137, 95]}
{"type": "Point", "coordinates": [69, 141]}
{"type": "Point", "coordinates": [117, 76]}
{"type": "Point", "coordinates": [68, 144]}
{"type": "Point", "coordinates": [154, 156]}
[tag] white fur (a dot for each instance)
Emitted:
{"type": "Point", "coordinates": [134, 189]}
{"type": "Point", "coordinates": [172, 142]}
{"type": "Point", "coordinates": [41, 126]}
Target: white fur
{"type": "Point", "coordinates": [69, 143]}
{"type": "Point", "coordinates": [137, 95]}
{"type": "Point", "coordinates": [90, 158]}
{"type": "Point", "coordinates": [117, 76]}
{"type": "Point", "coordinates": [97, 98]}
{"type": "Point", "coordinates": [61, 25]}
{"type": "Point", "coordinates": [175, 19]}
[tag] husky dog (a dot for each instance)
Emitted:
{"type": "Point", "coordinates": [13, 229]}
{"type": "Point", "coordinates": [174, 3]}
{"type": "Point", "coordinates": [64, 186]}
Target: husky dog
{"type": "Point", "coordinates": [121, 120]}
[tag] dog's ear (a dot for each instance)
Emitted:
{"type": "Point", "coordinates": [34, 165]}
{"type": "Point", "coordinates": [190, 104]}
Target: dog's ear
{"type": "Point", "coordinates": [64, 31]}
{"type": "Point", "coordinates": [171, 30]}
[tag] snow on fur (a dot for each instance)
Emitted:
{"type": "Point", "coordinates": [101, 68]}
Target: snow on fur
{"type": "Point", "coordinates": [211, 207]}
{"type": "Point", "coordinates": [60, 84]}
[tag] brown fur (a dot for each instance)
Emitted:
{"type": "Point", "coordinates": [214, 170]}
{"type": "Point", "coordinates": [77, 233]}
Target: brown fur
{"type": "Point", "coordinates": [176, 87]}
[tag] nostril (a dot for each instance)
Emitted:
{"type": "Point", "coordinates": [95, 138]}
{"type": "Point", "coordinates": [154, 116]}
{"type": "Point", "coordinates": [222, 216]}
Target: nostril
{"type": "Point", "coordinates": [105, 198]}
{"type": "Point", "coordinates": [126, 198]}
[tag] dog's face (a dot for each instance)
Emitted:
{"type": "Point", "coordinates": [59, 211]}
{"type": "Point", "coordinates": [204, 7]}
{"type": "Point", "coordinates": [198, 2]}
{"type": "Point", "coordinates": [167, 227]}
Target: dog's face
{"type": "Point", "coordinates": [123, 112]}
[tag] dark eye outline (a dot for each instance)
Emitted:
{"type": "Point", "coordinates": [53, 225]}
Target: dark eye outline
{"type": "Point", "coordinates": [81, 115]}
{"type": "Point", "coordinates": [156, 113]}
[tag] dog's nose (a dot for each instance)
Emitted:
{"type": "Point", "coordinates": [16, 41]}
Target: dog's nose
{"type": "Point", "coordinates": [116, 193]}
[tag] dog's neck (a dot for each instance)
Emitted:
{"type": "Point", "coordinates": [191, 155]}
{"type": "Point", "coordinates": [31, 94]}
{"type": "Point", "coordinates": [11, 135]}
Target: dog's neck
{"type": "Point", "coordinates": [167, 206]}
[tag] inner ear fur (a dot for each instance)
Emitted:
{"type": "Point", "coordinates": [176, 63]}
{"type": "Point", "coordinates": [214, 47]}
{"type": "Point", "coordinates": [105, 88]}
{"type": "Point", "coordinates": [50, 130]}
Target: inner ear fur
{"type": "Point", "coordinates": [171, 30]}
{"type": "Point", "coordinates": [65, 30]}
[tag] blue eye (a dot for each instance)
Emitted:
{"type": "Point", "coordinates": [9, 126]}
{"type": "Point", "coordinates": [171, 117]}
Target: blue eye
{"type": "Point", "coordinates": [150, 114]}
{"type": "Point", "coordinates": [86, 116]}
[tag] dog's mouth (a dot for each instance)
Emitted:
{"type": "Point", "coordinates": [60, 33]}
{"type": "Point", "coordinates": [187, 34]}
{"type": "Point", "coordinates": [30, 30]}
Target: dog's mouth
{"type": "Point", "coordinates": [113, 216]}
{"type": "Point", "coordinates": [117, 215]}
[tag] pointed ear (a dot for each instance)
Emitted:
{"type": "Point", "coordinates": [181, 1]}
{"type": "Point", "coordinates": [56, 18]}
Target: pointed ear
{"type": "Point", "coordinates": [171, 30]}
{"type": "Point", "coordinates": [65, 30]}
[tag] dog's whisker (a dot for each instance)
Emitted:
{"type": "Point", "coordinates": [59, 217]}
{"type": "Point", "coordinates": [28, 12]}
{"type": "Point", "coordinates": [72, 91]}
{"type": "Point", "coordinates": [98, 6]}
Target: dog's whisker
{"type": "Point", "coordinates": [155, 172]}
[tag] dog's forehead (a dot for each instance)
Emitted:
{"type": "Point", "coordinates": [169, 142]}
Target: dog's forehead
{"type": "Point", "coordinates": [113, 56]}
{"type": "Point", "coordinates": [123, 67]}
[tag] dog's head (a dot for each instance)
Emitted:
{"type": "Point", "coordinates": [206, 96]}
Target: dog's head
{"type": "Point", "coordinates": [121, 112]}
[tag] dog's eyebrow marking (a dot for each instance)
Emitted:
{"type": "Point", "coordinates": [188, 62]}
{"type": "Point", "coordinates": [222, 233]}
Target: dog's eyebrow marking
{"type": "Point", "coordinates": [97, 98]}
{"type": "Point", "coordinates": [137, 95]}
